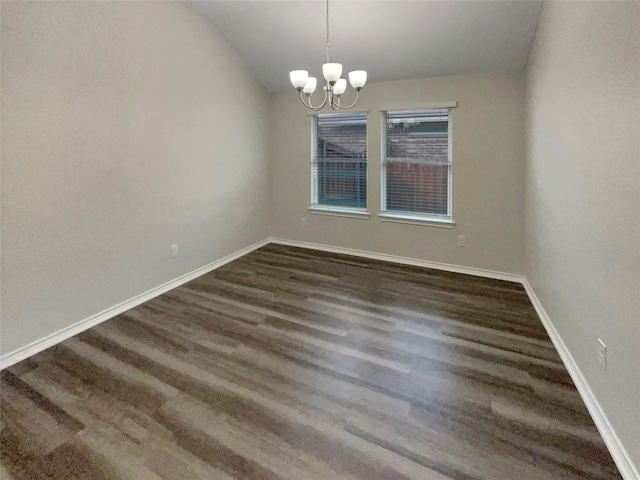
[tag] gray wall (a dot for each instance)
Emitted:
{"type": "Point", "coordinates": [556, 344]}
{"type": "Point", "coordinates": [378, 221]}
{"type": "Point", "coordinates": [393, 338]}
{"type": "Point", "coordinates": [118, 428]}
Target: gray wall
{"type": "Point", "coordinates": [126, 127]}
{"type": "Point", "coordinates": [488, 173]}
{"type": "Point", "coordinates": [583, 193]}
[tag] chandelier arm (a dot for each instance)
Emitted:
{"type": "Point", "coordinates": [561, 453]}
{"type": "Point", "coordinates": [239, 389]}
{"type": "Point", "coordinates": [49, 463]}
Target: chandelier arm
{"type": "Point", "coordinates": [335, 105]}
{"type": "Point", "coordinates": [352, 105]}
{"type": "Point", "coordinates": [311, 107]}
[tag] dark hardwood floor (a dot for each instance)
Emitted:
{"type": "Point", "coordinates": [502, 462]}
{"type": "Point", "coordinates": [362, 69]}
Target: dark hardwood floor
{"type": "Point", "coordinates": [296, 364]}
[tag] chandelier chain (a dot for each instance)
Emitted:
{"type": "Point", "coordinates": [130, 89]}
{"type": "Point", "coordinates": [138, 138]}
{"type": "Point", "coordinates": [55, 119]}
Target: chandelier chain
{"type": "Point", "coordinates": [327, 44]}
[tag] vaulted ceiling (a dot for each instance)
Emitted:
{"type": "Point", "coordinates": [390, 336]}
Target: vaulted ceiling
{"type": "Point", "coordinates": [392, 39]}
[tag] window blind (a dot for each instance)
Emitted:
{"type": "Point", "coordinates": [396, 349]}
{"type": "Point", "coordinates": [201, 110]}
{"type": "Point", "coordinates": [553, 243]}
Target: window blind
{"type": "Point", "coordinates": [417, 162]}
{"type": "Point", "coordinates": [339, 171]}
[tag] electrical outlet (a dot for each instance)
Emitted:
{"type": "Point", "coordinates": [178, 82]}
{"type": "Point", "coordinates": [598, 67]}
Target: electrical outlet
{"type": "Point", "coordinates": [303, 221]}
{"type": "Point", "coordinates": [462, 241]}
{"type": "Point", "coordinates": [174, 251]}
{"type": "Point", "coordinates": [602, 354]}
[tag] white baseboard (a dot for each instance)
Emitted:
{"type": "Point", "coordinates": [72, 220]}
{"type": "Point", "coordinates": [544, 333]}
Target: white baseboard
{"type": "Point", "coordinates": [50, 340]}
{"type": "Point", "coordinates": [616, 448]}
{"type": "Point", "coordinates": [478, 272]}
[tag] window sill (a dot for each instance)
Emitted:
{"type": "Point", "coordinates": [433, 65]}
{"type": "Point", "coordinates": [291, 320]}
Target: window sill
{"type": "Point", "coordinates": [360, 214]}
{"type": "Point", "coordinates": [417, 220]}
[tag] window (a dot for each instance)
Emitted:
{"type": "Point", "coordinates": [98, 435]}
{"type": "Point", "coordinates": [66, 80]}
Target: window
{"type": "Point", "coordinates": [416, 165]}
{"type": "Point", "coordinates": [339, 161]}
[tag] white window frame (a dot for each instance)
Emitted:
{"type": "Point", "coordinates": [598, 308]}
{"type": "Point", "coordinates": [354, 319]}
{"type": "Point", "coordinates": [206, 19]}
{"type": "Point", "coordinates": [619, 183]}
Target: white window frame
{"type": "Point", "coordinates": [416, 218]}
{"type": "Point", "coordinates": [337, 211]}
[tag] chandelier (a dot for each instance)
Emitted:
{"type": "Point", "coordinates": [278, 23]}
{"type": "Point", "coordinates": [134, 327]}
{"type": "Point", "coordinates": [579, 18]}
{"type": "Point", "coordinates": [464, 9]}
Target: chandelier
{"type": "Point", "coordinates": [335, 86]}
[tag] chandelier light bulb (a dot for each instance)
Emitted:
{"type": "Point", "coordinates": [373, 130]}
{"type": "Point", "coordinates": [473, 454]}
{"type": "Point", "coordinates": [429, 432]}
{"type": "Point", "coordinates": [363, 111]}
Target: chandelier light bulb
{"type": "Point", "coordinates": [340, 87]}
{"type": "Point", "coordinates": [299, 78]}
{"type": "Point", "coordinates": [357, 79]}
{"type": "Point", "coordinates": [331, 72]}
{"type": "Point", "coordinates": [310, 86]}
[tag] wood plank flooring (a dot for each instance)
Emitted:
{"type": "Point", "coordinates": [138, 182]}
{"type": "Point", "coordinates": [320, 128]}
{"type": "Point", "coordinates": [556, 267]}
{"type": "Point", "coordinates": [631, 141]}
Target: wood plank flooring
{"type": "Point", "coordinates": [296, 364]}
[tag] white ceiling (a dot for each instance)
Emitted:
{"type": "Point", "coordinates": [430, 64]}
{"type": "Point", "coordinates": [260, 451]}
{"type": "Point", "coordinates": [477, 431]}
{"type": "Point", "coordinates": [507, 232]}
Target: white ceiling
{"type": "Point", "coordinates": [391, 39]}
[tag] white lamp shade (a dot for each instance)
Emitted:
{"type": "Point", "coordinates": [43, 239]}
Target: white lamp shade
{"type": "Point", "coordinates": [340, 86]}
{"type": "Point", "coordinates": [299, 78]}
{"type": "Point", "coordinates": [332, 71]}
{"type": "Point", "coordinates": [357, 78]}
{"type": "Point", "coordinates": [310, 86]}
